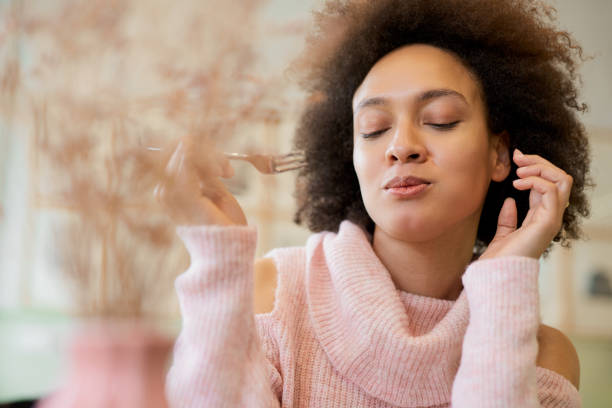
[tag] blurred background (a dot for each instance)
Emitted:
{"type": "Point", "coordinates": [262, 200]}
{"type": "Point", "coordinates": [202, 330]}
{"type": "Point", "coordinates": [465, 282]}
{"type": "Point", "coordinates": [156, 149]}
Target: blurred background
{"type": "Point", "coordinates": [86, 86]}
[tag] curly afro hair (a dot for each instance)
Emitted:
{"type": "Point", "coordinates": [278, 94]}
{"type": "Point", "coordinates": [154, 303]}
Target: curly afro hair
{"type": "Point", "coordinates": [526, 69]}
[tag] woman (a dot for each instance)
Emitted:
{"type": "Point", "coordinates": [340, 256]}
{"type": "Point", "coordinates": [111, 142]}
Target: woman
{"type": "Point", "coordinates": [419, 288]}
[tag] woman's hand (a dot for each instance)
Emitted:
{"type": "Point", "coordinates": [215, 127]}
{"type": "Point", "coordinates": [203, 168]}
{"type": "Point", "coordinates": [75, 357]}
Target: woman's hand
{"type": "Point", "coordinates": [550, 190]}
{"type": "Point", "coordinates": [192, 193]}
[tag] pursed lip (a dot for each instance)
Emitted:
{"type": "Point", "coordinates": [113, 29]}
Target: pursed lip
{"type": "Point", "coordinates": [405, 181]}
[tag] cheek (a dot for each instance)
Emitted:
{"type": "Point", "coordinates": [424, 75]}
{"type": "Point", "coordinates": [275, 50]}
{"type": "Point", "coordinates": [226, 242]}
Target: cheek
{"type": "Point", "coordinates": [368, 169]}
{"type": "Point", "coordinates": [363, 163]}
{"type": "Point", "coordinates": [467, 166]}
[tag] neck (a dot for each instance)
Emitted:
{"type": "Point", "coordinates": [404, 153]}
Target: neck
{"type": "Point", "coordinates": [431, 268]}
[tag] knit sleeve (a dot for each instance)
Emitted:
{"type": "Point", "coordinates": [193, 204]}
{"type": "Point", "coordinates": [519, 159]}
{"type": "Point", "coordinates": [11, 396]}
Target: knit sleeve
{"type": "Point", "coordinates": [219, 360]}
{"type": "Point", "coordinates": [556, 391]}
{"type": "Point", "coordinates": [498, 360]}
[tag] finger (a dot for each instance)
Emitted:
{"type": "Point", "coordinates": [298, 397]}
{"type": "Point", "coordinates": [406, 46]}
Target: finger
{"type": "Point", "coordinates": [214, 168]}
{"type": "Point", "coordinates": [528, 217]}
{"type": "Point", "coordinates": [177, 159]}
{"type": "Point", "coordinates": [560, 177]}
{"type": "Point", "coordinates": [198, 168]}
{"type": "Point", "coordinates": [195, 153]}
{"type": "Point", "coordinates": [159, 192]}
{"type": "Point", "coordinates": [218, 195]}
{"type": "Point", "coordinates": [217, 165]}
{"type": "Point", "coordinates": [213, 188]}
{"type": "Point", "coordinates": [527, 159]}
{"type": "Point", "coordinates": [550, 173]}
{"type": "Point", "coordinates": [209, 161]}
{"type": "Point", "coordinates": [550, 196]}
{"type": "Point", "coordinates": [228, 170]}
{"type": "Point", "coordinates": [177, 174]}
{"type": "Point", "coordinates": [506, 222]}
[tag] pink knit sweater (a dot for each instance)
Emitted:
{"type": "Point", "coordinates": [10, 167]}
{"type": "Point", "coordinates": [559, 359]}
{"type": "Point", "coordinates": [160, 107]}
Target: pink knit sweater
{"type": "Point", "coordinates": [342, 335]}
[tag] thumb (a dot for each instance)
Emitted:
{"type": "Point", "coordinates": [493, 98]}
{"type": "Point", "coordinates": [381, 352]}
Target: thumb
{"type": "Point", "coordinates": [506, 222]}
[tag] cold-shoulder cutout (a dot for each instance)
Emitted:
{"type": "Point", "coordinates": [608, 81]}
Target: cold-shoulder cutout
{"type": "Point", "coordinates": [265, 282]}
{"type": "Point", "coordinates": [557, 353]}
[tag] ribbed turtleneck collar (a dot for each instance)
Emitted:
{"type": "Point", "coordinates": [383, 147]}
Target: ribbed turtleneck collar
{"type": "Point", "coordinates": [399, 347]}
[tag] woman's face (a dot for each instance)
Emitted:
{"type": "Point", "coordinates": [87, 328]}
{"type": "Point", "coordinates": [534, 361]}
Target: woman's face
{"type": "Point", "coordinates": [419, 113]}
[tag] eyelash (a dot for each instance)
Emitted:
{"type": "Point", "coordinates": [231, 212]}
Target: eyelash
{"type": "Point", "coordinates": [439, 126]}
{"type": "Point", "coordinates": [378, 132]}
{"type": "Point", "coordinates": [444, 126]}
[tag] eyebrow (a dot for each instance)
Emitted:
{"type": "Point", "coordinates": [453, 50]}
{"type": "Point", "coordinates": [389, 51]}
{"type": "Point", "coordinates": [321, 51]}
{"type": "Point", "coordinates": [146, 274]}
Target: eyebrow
{"type": "Point", "coordinates": [422, 97]}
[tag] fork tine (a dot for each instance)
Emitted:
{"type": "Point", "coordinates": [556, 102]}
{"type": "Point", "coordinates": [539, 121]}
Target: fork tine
{"type": "Point", "coordinates": [266, 164]}
{"type": "Point", "coordinates": [287, 159]}
{"type": "Point", "coordinates": [290, 157]}
{"type": "Point", "coordinates": [288, 167]}
{"type": "Point", "coordinates": [280, 162]}
{"type": "Point", "coordinates": [292, 154]}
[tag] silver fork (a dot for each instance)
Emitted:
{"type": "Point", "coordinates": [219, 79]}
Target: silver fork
{"type": "Point", "coordinates": [271, 164]}
{"type": "Point", "coordinates": [265, 163]}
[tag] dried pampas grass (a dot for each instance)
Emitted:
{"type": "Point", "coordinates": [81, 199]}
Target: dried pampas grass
{"type": "Point", "coordinates": [100, 80]}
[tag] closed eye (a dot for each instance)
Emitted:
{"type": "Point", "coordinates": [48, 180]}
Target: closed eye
{"type": "Point", "coordinates": [372, 134]}
{"type": "Point", "coordinates": [444, 126]}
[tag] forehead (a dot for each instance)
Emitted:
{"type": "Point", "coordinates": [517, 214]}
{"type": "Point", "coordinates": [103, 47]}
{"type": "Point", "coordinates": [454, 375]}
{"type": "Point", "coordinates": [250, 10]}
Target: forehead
{"type": "Point", "coordinates": [413, 69]}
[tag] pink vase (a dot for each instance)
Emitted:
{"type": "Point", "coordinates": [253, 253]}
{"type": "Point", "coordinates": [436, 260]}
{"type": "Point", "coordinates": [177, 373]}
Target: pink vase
{"type": "Point", "coordinates": [114, 365]}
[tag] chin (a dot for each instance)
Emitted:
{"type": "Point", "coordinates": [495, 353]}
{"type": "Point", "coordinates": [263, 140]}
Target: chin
{"type": "Point", "coordinates": [409, 227]}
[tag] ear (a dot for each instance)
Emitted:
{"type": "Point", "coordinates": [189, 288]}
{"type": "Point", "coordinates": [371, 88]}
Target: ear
{"type": "Point", "coordinates": [500, 156]}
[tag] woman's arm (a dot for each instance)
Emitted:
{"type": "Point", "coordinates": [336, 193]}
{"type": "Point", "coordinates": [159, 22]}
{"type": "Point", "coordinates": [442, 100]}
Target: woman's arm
{"type": "Point", "coordinates": [500, 347]}
{"type": "Point", "coordinates": [557, 353]}
{"type": "Point", "coordinates": [265, 285]}
{"type": "Point", "coordinates": [218, 358]}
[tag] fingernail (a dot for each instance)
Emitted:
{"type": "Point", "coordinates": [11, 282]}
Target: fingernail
{"type": "Point", "coordinates": [519, 152]}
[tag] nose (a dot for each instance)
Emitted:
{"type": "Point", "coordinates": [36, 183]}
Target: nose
{"type": "Point", "coordinates": [405, 146]}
